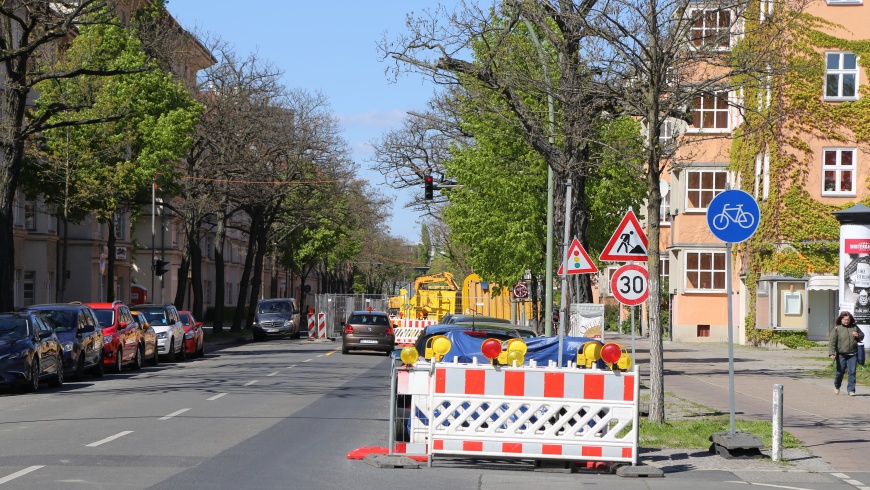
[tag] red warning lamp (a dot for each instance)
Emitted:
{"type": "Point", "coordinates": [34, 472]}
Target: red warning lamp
{"type": "Point", "coordinates": [491, 348]}
{"type": "Point", "coordinates": [611, 353]}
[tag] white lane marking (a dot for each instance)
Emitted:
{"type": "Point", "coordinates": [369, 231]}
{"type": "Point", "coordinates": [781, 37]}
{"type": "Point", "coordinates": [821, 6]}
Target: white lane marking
{"type": "Point", "coordinates": [173, 414]}
{"type": "Point", "coordinates": [249, 383]}
{"type": "Point", "coordinates": [272, 374]}
{"type": "Point", "coordinates": [215, 397]}
{"type": "Point", "coordinates": [840, 475]}
{"type": "Point", "coordinates": [321, 355]}
{"type": "Point", "coordinates": [853, 482]}
{"type": "Point", "coordinates": [293, 366]}
{"type": "Point", "coordinates": [308, 360]}
{"type": "Point", "coordinates": [109, 439]}
{"type": "Point", "coordinates": [778, 486]}
{"type": "Point", "coordinates": [20, 473]}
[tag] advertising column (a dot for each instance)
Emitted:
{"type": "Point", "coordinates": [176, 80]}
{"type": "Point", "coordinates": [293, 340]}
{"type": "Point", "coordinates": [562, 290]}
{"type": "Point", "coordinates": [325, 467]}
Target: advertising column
{"type": "Point", "coordinates": [855, 273]}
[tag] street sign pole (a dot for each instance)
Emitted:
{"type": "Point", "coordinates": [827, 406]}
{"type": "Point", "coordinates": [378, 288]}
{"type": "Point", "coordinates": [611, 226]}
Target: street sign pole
{"type": "Point", "coordinates": [563, 310]}
{"type": "Point", "coordinates": [730, 334]}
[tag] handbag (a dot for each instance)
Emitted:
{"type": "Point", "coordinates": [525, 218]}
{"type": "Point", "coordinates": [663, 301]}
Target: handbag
{"type": "Point", "coordinates": [861, 354]}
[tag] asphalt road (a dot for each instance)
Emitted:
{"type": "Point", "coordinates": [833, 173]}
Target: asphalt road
{"type": "Point", "coordinates": [279, 414]}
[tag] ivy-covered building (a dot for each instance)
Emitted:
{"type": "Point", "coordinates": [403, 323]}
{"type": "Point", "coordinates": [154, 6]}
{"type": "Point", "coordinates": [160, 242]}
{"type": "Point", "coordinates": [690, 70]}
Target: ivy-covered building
{"type": "Point", "coordinates": [802, 151]}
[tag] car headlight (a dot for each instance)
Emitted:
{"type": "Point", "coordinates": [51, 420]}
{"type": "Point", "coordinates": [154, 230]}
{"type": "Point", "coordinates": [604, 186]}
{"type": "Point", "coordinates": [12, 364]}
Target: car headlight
{"type": "Point", "coordinates": [107, 339]}
{"type": "Point", "coordinates": [67, 346]}
{"type": "Point", "coordinates": [288, 323]}
{"type": "Point", "coordinates": [161, 335]}
{"type": "Point", "coordinates": [18, 355]}
{"type": "Point", "coordinates": [189, 335]}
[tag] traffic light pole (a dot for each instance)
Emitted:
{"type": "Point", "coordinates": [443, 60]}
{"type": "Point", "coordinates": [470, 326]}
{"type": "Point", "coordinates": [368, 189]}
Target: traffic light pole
{"type": "Point", "coordinates": [153, 232]}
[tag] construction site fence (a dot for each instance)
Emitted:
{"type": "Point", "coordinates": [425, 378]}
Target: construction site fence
{"type": "Point", "coordinates": [336, 307]}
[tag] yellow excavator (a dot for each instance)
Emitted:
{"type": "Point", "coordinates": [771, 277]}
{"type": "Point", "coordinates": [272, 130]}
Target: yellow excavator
{"type": "Point", "coordinates": [433, 297]}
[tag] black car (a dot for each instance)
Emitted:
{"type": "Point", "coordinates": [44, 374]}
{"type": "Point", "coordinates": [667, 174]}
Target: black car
{"type": "Point", "coordinates": [492, 330]}
{"type": "Point", "coordinates": [29, 351]}
{"type": "Point", "coordinates": [450, 319]}
{"type": "Point", "coordinates": [276, 317]}
{"type": "Point", "coordinates": [79, 332]}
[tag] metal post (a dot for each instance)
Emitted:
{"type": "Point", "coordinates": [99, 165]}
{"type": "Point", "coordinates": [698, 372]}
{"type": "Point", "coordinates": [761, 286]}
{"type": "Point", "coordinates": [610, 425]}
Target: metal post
{"type": "Point", "coordinates": [632, 334]}
{"type": "Point", "coordinates": [393, 375]}
{"type": "Point", "coordinates": [153, 232]}
{"type": "Point", "coordinates": [730, 334]}
{"type": "Point", "coordinates": [776, 449]}
{"type": "Point", "coordinates": [563, 310]}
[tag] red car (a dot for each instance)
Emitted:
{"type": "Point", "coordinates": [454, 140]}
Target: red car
{"type": "Point", "coordinates": [194, 338]}
{"type": "Point", "coordinates": [122, 337]}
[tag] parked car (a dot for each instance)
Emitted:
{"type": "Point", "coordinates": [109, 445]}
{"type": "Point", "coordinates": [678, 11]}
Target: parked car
{"type": "Point", "coordinates": [29, 351]}
{"type": "Point", "coordinates": [450, 319]}
{"type": "Point", "coordinates": [493, 330]}
{"type": "Point", "coordinates": [276, 317]}
{"type": "Point", "coordinates": [80, 335]}
{"type": "Point", "coordinates": [149, 338]}
{"type": "Point", "coordinates": [194, 338]}
{"type": "Point", "coordinates": [170, 331]}
{"type": "Point", "coordinates": [122, 337]}
{"type": "Point", "coordinates": [368, 330]}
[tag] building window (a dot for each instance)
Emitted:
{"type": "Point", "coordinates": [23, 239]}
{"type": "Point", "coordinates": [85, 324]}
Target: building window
{"type": "Point", "coordinates": [28, 297]}
{"type": "Point", "coordinates": [762, 175]}
{"type": "Point", "coordinates": [841, 76]}
{"type": "Point", "coordinates": [16, 288]}
{"type": "Point", "coordinates": [702, 186]}
{"type": "Point", "coordinates": [711, 29]}
{"type": "Point", "coordinates": [206, 292]}
{"type": "Point", "coordinates": [710, 112]}
{"type": "Point", "coordinates": [230, 293]}
{"type": "Point", "coordinates": [705, 271]}
{"type": "Point", "coordinates": [845, 2]}
{"type": "Point", "coordinates": [49, 288]}
{"type": "Point", "coordinates": [120, 226]}
{"type": "Point", "coordinates": [30, 215]}
{"type": "Point", "coordinates": [209, 248]}
{"type": "Point", "coordinates": [17, 214]}
{"type": "Point", "coordinates": [665, 210]}
{"type": "Point", "coordinates": [838, 170]}
{"type": "Point", "coordinates": [765, 9]}
{"type": "Point", "coordinates": [52, 219]}
{"type": "Point", "coordinates": [664, 269]}
{"type": "Point", "coordinates": [667, 134]}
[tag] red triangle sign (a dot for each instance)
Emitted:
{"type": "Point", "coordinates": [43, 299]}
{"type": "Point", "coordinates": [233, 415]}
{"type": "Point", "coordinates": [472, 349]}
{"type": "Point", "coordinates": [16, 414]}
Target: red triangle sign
{"type": "Point", "coordinates": [628, 243]}
{"type": "Point", "coordinates": [578, 261]}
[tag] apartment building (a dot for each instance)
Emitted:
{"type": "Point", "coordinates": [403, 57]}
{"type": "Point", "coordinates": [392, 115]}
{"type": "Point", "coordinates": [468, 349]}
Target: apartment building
{"type": "Point", "coordinates": [811, 161]}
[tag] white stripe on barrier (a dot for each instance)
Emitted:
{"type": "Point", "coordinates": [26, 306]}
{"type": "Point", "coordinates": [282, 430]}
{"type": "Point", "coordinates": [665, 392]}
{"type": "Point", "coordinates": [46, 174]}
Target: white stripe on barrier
{"type": "Point", "coordinates": [321, 325]}
{"type": "Point", "coordinates": [312, 329]}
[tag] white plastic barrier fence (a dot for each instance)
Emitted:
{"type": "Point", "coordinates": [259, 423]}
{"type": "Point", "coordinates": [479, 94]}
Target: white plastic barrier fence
{"type": "Point", "coordinates": [407, 331]}
{"type": "Point", "coordinates": [527, 412]}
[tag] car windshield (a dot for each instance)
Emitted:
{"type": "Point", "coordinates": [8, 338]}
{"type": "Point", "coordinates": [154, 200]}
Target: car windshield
{"type": "Point", "coordinates": [105, 317]}
{"type": "Point", "coordinates": [62, 320]}
{"type": "Point", "coordinates": [185, 319]}
{"type": "Point", "coordinates": [275, 307]}
{"type": "Point", "coordinates": [13, 328]}
{"type": "Point", "coordinates": [369, 320]}
{"type": "Point", "coordinates": [156, 317]}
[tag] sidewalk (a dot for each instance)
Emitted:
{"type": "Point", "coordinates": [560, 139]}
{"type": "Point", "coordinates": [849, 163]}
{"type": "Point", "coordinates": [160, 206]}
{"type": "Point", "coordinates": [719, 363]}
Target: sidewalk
{"type": "Point", "coordinates": [835, 429]}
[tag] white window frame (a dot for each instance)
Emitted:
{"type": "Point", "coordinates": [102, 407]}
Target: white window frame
{"type": "Point", "coordinates": [762, 175]}
{"type": "Point", "coordinates": [701, 190]}
{"type": "Point", "coordinates": [708, 33]}
{"type": "Point", "coordinates": [30, 215]}
{"type": "Point", "coordinates": [664, 263]}
{"type": "Point", "coordinates": [765, 9]}
{"type": "Point", "coordinates": [120, 227]}
{"type": "Point", "coordinates": [715, 111]}
{"type": "Point", "coordinates": [712, 271]}
{"type": "Point", "coordinates": [28, 285]}
{"type": "Point", "coordinates": [839, 72]}
{"type": "Point", "coordinates": [838, 169]}
{"type": "Point", "coordinates": [845, 2]}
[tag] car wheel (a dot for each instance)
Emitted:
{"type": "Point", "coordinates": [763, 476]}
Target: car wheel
{"type": "Point", "coordinates": [100, 368]}
{"type": "Point", "coordinates": [344, 349]}
{"type": "Point", "coordinates": [119, 362]}
{"type": "Point", "coordinates": [201, 351]}
{"type": "Point", "coordinates": [140, 353]}
{"type": "Point", "coordinates": [155, 359]}
{"type": "Point", "coordinates": [80, 368]}
{"type": "Point", "coordinates": [34, 376]}
{"type": "Point", "coordinates": [182, 354]}
{"type": "Point", "coordinates": [57, 380]}
{"type": "Point", "coordinates": [170, 354]}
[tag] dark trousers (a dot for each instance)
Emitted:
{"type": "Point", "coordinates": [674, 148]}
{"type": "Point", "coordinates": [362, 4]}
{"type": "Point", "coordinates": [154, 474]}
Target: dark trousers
{"type": "Point", "coordinates": [844, 362]}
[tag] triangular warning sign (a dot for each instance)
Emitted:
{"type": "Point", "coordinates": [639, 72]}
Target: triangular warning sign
{"type": "Point", "coordinates": [628, 243]}
{"type": "Point", "coordinates": [578, 260]}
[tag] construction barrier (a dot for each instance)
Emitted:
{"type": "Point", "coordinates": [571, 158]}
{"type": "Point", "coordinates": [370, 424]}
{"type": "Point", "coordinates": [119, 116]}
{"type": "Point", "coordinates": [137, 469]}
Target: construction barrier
{"type": "Point", "coordinates": [407, 331]}
{"type": "Point", "coordinates": [528, 412]}
{"type": "Point", "coordinates": [312, 327]}
{"type": "Point", "coordinates": [321, 325]}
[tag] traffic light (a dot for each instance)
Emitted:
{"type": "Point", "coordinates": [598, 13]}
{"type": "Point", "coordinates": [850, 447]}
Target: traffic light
{"type": "Point", "coordinates": [160, 267]}
{"type": "Point", "coordinates": [429, 187]}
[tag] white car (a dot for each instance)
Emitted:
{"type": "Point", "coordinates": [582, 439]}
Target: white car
{"type": "Point", "coordinates": [169, 328]}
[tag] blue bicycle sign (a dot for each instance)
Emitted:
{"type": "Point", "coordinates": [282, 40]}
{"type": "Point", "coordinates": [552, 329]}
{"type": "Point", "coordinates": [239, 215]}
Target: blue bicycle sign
{"type": "Point", "coordinates": [733, 216]}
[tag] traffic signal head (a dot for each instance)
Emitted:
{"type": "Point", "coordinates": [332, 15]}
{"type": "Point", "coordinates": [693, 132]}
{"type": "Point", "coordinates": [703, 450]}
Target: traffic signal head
{"type": "Point", "coordinates": [429, 184]}
{"type": "Point", "coordinates": [161, 267]}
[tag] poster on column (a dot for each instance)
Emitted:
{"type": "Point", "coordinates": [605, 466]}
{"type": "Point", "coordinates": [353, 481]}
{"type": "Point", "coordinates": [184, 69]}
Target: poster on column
{"type": "Point", "coordinates": [855, 273]}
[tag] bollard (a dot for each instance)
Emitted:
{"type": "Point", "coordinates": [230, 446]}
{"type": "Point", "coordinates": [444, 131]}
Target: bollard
{"type": "Point", "coordinates": [776, 449]}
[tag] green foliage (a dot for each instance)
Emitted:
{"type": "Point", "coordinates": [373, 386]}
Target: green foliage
{"type": "Point", "coordinates": [794, 340]}
{"type": "Point", "coordinates": [695, 433]}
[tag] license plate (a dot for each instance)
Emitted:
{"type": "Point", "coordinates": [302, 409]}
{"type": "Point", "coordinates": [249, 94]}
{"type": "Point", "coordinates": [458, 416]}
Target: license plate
{"type": "Point", "coordinates": [368, 341]}
{"type": "Point", "coordinates": [270, 330]}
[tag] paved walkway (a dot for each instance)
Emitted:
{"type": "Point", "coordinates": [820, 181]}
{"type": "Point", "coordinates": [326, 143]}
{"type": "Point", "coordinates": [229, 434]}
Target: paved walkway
{"type": "Point", "coordinates": [836, 429]}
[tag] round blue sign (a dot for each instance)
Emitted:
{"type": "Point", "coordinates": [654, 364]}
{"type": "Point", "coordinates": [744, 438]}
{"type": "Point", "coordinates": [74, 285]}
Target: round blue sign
{"type": "Point", "coordinates": [733, 216]}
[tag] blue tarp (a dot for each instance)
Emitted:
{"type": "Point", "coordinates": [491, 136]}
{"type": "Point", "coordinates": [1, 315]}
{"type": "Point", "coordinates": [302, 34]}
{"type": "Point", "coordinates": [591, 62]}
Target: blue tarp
{"type": "Point", "coordinates": [541, 349]}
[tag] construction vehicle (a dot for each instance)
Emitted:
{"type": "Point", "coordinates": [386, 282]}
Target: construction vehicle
{"type": "Point", "coordinates": [433, 296]}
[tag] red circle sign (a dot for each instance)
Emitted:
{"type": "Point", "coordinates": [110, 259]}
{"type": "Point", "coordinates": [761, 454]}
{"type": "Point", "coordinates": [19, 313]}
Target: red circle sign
{"type": "Point", "coordinates": [521, 290]}
{"type": "Point", "coordinates": [630, 285]}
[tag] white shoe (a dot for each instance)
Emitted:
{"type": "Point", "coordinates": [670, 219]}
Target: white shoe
{"type": "Point", "coordinates": [836, 391]}
{"type": "Point", "coordinates": [851, 393]}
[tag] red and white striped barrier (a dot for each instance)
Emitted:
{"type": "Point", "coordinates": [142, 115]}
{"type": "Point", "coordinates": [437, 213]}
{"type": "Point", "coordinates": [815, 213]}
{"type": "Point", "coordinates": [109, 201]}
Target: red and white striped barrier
{"type": "Point", "coordinates": [407, 331]}
{"type": "Point", "coordinates": [321, 325]}
{"type": "Point", "coordinates": [529, 412]}
{"type": "Point", "coordinates": [312, 326]}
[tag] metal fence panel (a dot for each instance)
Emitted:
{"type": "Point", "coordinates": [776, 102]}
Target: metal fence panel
{"type": "Point", "coordinates": [337, 307]}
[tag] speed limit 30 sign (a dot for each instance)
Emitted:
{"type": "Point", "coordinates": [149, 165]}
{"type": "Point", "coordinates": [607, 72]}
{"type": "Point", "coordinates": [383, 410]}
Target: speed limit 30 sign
{"type": "Point", "coordinates": [630, 285]}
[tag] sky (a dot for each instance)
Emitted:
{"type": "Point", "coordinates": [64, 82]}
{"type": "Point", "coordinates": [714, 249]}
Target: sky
{"type": "Point", "coordinates": [329, 47]}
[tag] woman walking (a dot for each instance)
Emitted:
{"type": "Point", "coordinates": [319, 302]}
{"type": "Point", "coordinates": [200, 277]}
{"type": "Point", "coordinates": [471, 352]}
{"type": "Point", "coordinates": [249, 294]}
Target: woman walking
{"type": "Point", "coordinates": [843, 349]}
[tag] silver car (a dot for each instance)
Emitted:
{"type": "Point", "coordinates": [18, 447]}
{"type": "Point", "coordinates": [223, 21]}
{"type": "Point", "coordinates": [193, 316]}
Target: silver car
{"type": "Point", "coordinates": [276, 317]}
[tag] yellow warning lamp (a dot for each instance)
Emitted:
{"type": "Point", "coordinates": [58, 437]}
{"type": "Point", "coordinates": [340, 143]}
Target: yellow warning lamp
{"type": "Point", "coordinates": [592, 353]}
{"type": "Point", "coordinates": [437, 347]}
{"type": "Point", "coordinates": [409, 355]}
{"type": "Point", "coordinates": [581, 357]}
{"type": "Point", "coordinates": [624, 363]}
{"type": "Point", "coordinates": [515, 358]}
{"type": "Point", "coordinates": [517, 345]}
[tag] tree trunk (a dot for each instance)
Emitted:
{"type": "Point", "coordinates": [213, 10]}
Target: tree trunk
{"type": "Point", "coordinates": [257, 281]}
{"type": "Point", "coordinates": [219, 272]}
{"type": "Point", "coordinates": [241, 301]}
{"type": "Point", "coordinates": [196, 272]}
{"type": "Point", "coordinates": [64, 257]}
{"type": "Point", "coordinates": [110, 261]}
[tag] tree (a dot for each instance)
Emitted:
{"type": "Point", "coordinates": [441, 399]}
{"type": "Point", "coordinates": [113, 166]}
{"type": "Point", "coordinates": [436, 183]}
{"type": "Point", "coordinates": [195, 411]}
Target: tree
{"type": "Point", "coordinates": [31, 32]}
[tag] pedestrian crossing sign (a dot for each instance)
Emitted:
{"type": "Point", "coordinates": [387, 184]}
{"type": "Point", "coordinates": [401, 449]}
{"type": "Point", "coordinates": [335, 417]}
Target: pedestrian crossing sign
{"type": "Point", "coordinates": [578, 261]}
{"type": "Point", "coordinates": [628, 243]}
